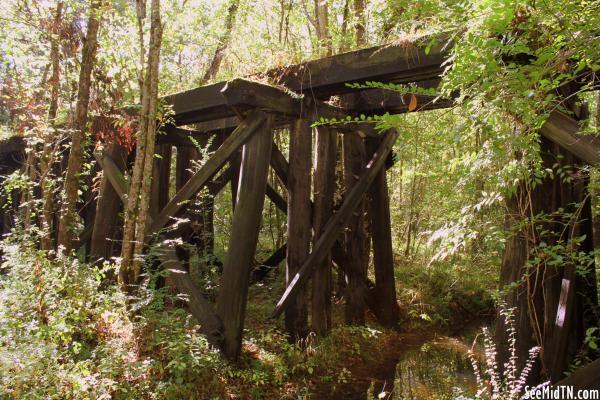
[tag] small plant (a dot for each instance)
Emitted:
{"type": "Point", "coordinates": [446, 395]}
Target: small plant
{"type": "Point", "coordinates": [491, 384]}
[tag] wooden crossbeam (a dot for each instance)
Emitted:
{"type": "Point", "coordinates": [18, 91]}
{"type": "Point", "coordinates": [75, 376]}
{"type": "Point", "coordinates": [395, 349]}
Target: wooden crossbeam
{"type": "Point", "coordinates": [262, 270]}
{"type": "Point", "coordinates": [279, 165]}
{"type": "Point", "coordinates": [242, 94]}
{"type": "Point", "coordinates": [338, 221]}
{"type": "Point", "coordinates": [198, 305]}
{"type": "Point", "coordinates": [113, 174]}
{"type": "Point", "coordinates": [276, 198]}
{"type": "Point", "coordinates": [243, 132]}
{"type": "Point", "coordinates": [562, 129]}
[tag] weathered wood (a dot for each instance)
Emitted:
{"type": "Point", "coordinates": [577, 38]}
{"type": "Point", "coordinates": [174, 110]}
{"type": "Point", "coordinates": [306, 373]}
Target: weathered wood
{"type": "Point", "coordinates": [262, 270]}
{"type": "Point", "coordinates": [324, 188]}
{"type": "Point", "coordinates": [161, 172]}
{"type": "Point", "coordinates": [199, 307]}
{"type": "Point", "coordinates": [183, 165]}
{"type": "Point", "coordinates": [243, 94]}
{"type": "Point", "coordinates": [235, 163]}
{"type": "Point", "coordinates": [562, 129]}
{"type": "Point", "coordinates": [383, 256]}
{"type": "Point", "coordinates": [235, 279]}
{"type": "Point", "coordinates": [276, 198]}
{"type": "Point", "coordinates": [587, 377]}
{"type": "Point", "coordinates": [322, 78]}
{"type": "Point", "coordinates": [355, 235]}
{"type": "Point", "coordinates": [113, 174]}
{"type": "Point", "coordinates": [199, 179]}
{"type": "Point", "coordinates": [279, 165]}
{"type": "Point", "coordinates": [108, 206]}
{"type": "Point", "coordinates": [298, 226]}
{"type": "Point", "coordinates": [338, 221]}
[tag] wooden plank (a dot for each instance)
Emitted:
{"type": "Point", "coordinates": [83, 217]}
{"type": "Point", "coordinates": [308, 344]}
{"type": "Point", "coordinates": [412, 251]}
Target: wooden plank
{"type": "Point", "coordinates": [324, 188]}
{"type": "Point", "coordinates": [338, 221]}
{"type": "Point", "coordinates": [235, 280]}
{"type": "Point", "coordinates": [113, 174]}
{"type": "Point", "coordinates": [246, 129]}
{"type": "Point", "coordinates": [276, 198]}
{"type": "Point", "coordinates": [298, 224]}
{"type": "Point", "coordinates": [587, 377]}
{"type": "Point", "coordinates": [199, 307]}
{"type": "Point", "coordinates": [387, 310]}
{"type": "Point", "coordinates": [355, 234]}
{"type": "Point", "coordinates": [262, 270]}
{"type": "Point", "coordinates": [161, 172]}
{"type": "Point", "coordinates": [279, 165]}
{"type": "Point", "coordinates": [562, 129]}
{"type": "Point", "coordinates": [322, 78]}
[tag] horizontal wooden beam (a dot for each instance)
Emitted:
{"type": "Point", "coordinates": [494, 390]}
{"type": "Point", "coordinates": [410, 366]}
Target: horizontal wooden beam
{"type": "Point", "coordinates": [562, 130]}
{"type": "Point", "coordinates": [323, 77]}
{"type": "Point", "coordinates": [338, 221]}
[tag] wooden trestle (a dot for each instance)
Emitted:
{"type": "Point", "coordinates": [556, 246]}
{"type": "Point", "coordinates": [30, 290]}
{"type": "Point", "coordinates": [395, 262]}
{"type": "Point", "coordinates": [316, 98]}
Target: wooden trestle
{"type": "Point", "coordinates": [238, 117]}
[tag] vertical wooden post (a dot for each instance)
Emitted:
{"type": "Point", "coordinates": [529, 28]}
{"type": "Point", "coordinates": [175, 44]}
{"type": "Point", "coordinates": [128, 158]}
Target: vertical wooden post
{"type": "Point", "coordinates": [235, 280]}
{"type": "Point", "coordinates": [108, 207]}
{"type": "Point", "coordinates": [235, 162]}
{"type": "Point", "coordinates": [324, 187]}
{"type": "Point", "coordinates": [383, 256]}
{"type": "Point", "coordinates": [357, 257]}
{"type": "Point", "coordinates": [183, 168]}
{"type": "Point", "coordinates": [160, 179]}
{"type": "Point", "coordinates": [299, 225]}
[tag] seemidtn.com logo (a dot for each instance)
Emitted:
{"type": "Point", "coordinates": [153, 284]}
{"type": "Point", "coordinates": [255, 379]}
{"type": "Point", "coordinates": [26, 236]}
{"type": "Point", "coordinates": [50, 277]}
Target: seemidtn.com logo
{"type": "Point", "coordinates": [558, 392]}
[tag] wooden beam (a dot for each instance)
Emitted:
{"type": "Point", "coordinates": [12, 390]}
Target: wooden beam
{"type": "Point", "coordinates": [355, 234]}
{"type": "Point", "coordinates": [199, 307]}
{"type": "Point", "coordinates": [298, 225]}
{"type": "Point", "coordinates": [280, 165]}
{"type": "Point", "coordinates": [387, 310]}
{"type": "Point", "coordinates": [276, 198]}
{"type": "Point", "coordinates": [324, 188]}
{"type": "Point", "coordinates": [244, 131]}
{"type": "Point", "coordinates": [235, 280]}
{"type": "Point", "coordinates": [587, 377]}
{"type": "Point", "coordinates": [262, 270]}
{"type": "Point", "coordinates": [562, 130]}
{"type": "Point", "coordinates": [338, 221]}
{"type": "Point", "coordinates": [161, 172]}
{"type": "Point", "coordinates": [113, 174]}
{"type": "Point", "coordinates": [323, 77]}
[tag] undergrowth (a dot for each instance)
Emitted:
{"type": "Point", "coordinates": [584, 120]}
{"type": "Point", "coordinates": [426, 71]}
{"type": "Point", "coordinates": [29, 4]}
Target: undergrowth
{"type": "Point", "coordinates": [66, 334]}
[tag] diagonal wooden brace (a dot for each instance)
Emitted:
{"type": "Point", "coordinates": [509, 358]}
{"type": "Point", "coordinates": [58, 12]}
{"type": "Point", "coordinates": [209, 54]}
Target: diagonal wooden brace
{"type": "Point", "coordinates": [338, 221]}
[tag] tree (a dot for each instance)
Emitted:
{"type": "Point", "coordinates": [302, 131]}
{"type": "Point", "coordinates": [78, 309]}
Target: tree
{"type": "Point", "coordinates": [138, 198]}
{"type": "Point", "coordinates": [215, 64]}
{"type": "Point", "coordinates": [68, 211]}
{"type": "Point", "coordinates": [46, 179]}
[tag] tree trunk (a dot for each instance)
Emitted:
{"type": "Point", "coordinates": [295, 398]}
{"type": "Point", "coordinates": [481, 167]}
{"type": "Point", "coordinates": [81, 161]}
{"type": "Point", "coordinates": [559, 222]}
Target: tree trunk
{"type": "Point", "coordinates": [46, 161]}
{"type": "Point", "coordinates": [360, 7]}
{"type": "Point", "coordinates": [68, 213]}
{"type": "Point", "coordinates": [322, 25]}
{"type": "Point", "coordinates": [215, 64]}
{"type": "Point", "coordinates": [138, 199]}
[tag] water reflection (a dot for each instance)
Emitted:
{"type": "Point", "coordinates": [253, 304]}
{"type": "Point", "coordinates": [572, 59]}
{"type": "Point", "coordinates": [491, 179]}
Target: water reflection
{"type": "Point", "coordinates": [438, 369]}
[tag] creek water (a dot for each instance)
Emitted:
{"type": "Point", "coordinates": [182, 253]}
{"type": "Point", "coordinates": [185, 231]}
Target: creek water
{"type": "Point", "coordinates": [420, 368]}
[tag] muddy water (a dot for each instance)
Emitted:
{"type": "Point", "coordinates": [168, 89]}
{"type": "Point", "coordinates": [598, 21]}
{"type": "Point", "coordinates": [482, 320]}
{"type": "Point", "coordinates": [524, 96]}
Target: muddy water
{"type": "Point", "coordinates": [435, 368]}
